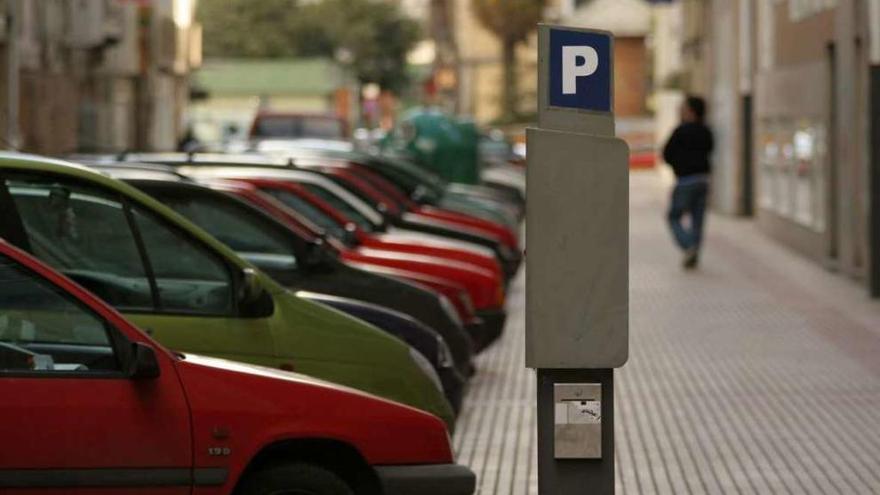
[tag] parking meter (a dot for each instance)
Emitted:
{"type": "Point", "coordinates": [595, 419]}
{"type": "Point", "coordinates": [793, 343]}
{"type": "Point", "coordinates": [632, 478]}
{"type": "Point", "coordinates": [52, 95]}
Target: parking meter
{"type": "Point", "coordinates": [577, 286]}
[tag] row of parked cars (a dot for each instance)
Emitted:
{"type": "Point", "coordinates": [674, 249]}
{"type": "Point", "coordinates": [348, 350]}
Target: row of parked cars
{"type": "Point", "coordinates": [299, 319]}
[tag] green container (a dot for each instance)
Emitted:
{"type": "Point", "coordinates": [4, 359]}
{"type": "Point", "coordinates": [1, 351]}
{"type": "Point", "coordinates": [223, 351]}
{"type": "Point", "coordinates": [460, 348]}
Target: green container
{"type": "Point", "coordinates": [439, 143]}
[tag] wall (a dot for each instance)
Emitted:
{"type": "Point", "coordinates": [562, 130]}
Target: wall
{"type": "Point", "coordinates": [101, 75]}
{"type": "Point", "coordinates": [630, 76]}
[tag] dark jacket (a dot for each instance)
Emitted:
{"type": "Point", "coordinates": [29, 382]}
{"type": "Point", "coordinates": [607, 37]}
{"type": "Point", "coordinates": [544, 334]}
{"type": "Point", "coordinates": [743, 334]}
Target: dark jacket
{"type": "Point", "coordinates": [688, 149]}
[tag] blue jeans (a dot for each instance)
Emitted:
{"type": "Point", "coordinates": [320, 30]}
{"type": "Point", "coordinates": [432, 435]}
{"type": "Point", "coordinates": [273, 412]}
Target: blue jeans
{"type": "Point", "coordinates": [688, 199]}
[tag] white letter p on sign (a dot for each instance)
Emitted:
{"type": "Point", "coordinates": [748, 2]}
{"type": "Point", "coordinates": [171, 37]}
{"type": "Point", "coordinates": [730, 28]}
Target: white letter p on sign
{"type": "Point", "coordinates": [571, 70]}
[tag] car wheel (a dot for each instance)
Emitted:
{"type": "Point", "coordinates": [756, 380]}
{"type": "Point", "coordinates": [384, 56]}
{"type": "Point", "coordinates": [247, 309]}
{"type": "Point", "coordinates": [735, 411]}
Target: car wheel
{"type": "Point", "coordinates": [294, 479]}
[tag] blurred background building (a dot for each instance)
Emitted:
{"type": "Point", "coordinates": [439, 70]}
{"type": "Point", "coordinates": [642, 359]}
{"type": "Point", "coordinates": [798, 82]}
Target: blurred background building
{"type": "Point", "coordinates": [96, 74]}
{"type": "Point", "coordinates": [793, 89]}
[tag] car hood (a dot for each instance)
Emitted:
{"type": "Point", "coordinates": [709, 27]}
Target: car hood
{"type": "Point", "coordinates": [258, 406]}
{"type": "Point", "coordinates": [266, 373]}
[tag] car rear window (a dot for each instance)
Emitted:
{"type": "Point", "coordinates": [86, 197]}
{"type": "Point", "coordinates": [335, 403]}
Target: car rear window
{"type": "Point", "coordinates": [297, 126]}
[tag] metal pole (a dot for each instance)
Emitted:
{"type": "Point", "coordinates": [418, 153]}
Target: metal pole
{"type": "Point", "coordinates": [13, 63]}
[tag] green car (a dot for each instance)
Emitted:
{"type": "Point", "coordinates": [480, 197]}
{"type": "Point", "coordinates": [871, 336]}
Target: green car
{"type": "Point", "coordinates": [189, 290]}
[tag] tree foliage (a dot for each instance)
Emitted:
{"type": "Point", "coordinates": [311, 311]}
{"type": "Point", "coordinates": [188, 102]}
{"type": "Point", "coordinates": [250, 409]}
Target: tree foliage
{"type": "Point", "coordinates": [511, 21]}
{"type": "Point", "coordinates": [375, 33]}
{"type": "Point", "coordinates": [248, 28]}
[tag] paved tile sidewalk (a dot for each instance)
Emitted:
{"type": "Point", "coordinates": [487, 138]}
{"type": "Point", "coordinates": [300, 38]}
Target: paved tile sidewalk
{"type": "Point", "coordinates": [759, 373]}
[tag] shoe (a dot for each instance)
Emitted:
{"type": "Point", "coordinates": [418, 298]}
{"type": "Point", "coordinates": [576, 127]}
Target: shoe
{"type": "Point", "coordinates": [691, 258]}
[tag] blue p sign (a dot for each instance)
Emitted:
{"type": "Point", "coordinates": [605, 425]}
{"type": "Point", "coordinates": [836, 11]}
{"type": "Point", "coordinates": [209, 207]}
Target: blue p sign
{"type": "Point", "coordinates": [580, 70]}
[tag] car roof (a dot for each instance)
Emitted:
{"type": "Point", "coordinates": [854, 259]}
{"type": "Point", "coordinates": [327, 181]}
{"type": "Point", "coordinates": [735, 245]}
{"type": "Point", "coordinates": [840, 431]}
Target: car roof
{"type": "Point", "coordinates": [140, 171]}
{"type": "Point", "coordinates": [308, 176]}
{"type": "Point", "coordinates": [211, 158]}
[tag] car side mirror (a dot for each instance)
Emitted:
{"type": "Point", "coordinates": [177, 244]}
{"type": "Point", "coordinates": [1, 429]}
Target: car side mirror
{"type": "Point", "coordinates": [253, 299]}
{"type": "Point", "coordinates": [142, 364]}
{"type": "Point", "coordinates": [251, 289]}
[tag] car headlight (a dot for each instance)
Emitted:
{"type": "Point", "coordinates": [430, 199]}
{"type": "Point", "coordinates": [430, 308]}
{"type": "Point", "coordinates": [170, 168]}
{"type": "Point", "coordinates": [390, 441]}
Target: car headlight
{"type": "Point", "coordinates": [450, 310]}
{"type": "Point", "coordinates": [425, 365]}
{"type": "Point", "coordinates": [444, 355]}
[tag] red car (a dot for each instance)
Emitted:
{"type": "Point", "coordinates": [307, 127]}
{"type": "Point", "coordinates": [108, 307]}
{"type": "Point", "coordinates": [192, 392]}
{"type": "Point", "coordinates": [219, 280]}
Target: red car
{"type": "Point", "coordinates": [90, 404]}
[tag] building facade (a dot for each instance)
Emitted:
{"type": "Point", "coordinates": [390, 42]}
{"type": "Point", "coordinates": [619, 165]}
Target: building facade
{"type": "Point", "coordinates": [791, 84]}
{"type": "Point", "coordinates": [96, 75]}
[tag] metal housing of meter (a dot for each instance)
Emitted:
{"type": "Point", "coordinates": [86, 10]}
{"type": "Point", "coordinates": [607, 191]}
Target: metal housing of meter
{"type": "Point", "coordinates": [577, 288]}
{"type": "Point", "coordinates": [577, 284]}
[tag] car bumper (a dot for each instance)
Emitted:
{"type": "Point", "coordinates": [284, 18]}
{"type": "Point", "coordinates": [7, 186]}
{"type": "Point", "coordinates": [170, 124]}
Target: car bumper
{"type": "Point", "coordinates": [429, 479]}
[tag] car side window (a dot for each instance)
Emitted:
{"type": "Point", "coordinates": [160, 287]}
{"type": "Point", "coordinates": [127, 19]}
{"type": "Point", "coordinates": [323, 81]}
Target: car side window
{"type": "Point", "coordinates": [44, 330]}
{"type": "Point", "coordinates": [245, 232]}
{"type": "Point", "coordinates": [84, 233]}
{"type": "Point", "coordinates": [189, 277]}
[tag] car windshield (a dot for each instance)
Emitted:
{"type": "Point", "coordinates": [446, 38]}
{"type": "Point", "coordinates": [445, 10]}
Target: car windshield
{"type": "Point", "coordinates": [345, 208]}
{"type": "Point", "coordinates": [312, 213]}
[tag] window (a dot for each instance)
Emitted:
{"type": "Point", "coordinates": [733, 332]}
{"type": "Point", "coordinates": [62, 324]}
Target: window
{"type": "Point", "coordinates": [42, 329]}
{"type": "Point", "coordinates": [247, 233]}
{"type": "Point", "coordinates": [190, 279]}
{"type": "Point", "coordinates": [84, 233]}
{"type": "Point", "coordinates": [338, 203]}
{"type": "Point", "coordinates": [791, 169]}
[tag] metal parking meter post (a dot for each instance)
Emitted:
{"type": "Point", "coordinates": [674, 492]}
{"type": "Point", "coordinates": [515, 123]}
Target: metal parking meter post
{"type": "Point", "coordinates": [577, 286]}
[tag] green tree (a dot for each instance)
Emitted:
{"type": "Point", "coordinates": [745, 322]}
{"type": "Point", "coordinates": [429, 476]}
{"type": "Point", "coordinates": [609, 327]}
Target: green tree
{"type": "Point", "coordinates": [375, 33]}
{"type": "Point", "coordinates": [511, 21]}
{"type": "Point", "coordinates": [248, 28]}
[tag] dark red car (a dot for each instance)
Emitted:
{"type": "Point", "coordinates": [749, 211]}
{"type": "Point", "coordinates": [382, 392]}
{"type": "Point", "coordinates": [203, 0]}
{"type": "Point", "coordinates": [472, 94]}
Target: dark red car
{"type": "Point", "coordinates": [484, 285]}
{"type": "Point", "coordinates": [297, 125]}
{"type": "Point", "coordinates": [89, 404]}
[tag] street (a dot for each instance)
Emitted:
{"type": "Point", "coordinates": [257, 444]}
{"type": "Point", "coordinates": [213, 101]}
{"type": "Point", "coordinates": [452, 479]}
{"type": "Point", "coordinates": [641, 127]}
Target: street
{"type": "Point", "coordinates": [757, 373]}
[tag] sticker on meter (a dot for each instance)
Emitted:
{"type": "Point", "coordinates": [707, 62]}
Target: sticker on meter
{"type": "Point", "coordinates": [578, 412]}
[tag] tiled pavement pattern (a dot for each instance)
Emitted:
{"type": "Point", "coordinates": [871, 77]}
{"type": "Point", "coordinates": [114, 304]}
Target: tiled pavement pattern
{"type": "Point", "coordinates": [760, 373]}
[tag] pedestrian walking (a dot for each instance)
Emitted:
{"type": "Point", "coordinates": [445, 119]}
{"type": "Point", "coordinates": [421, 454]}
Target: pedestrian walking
{"type": "Point", "coordinates": [687, 151]}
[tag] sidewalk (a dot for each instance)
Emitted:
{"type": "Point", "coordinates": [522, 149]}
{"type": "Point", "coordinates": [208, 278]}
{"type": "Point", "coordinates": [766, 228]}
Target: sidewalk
{"type": "Point", "coordinates": [759, 373]}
